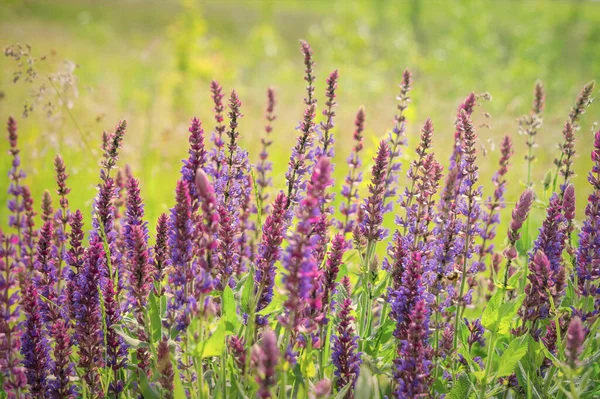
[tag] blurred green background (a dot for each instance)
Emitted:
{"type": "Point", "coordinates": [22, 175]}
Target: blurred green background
{"type": "Point", "coordinates": [151, 63]}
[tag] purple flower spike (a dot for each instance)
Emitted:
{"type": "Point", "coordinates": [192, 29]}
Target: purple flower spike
{"type": "Point", "coordinates": [162, 260]}
{"type": "Point", "coordinates": [15, 175]}
{"type": "Point", "coordinates": [299, 260]}
{"type": "Point", "coordinates": [197, 157]}
{"type": "Point", "coordinates": [165, 368]}
{"type": "Point", "coordinates": [334, 261]}
{"type": "Point", "coordinates": [373, 206]}
{"type": "Point", "coordinates": [354, 177]}
{"type": "Point", "coordinates": [217, 156]}
{"type": "Point", "coordinates": [397, 137]}
{"type": "Point", "coordinates": [180, 242]}
{"type": "Point", "coordinates": [413, 364]}
{"type": "Point", "coordinates": [264, 166]}
{"type": "Point", "coordinates": [495, 202]}
{"type": "Point", "coordinates": [265, 359]}
{"type": "Point", "coordinates": [551, 238]}
{"type": "Point", "coordinates": [34, 345]}
{"type": "Point", "coordinates": [63, 371]}
{"type": "Point", "coordinates": [269, 251]}
{"type": "Point", "coordinates": [300, 153]}
{"type": "Point", "coordinates": [309, 77]}
{"type": "Point", "coordinates": [46, 279]}
{"type": "Point", "coordinates": [10, 333]}
{"type": "Point", "coordinates": [209, 229]}
{"type": "Point", "coordinates": [588, 252]}
{"type": "Point", "coordinates": [519, 215]}
{"type": "Point", "coordinates": [111, 149]}
{"type": "Point", "coordinates": [29, 234]}
{"type": "Point", "coordinates": [327, 140]}
{"type": "Point", "coordinates": [116, 349]}
{"type": "Point", "coordinates": [575, 338]}
{"type": "Point", "coordinates": [227, 251]}
{"type": "Point", "coordinates": [345, 356]}
{"type": "Point", "coordinates": [88, 317]}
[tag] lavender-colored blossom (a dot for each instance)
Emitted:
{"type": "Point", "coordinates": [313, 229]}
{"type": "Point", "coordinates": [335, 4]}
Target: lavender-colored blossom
{"type": "Point", "coordinates": [588, 252]}
{"type": "Point", "coordinates": [299, 261]}
{"type": "Point", "coordinates": [111, 148]}
{"type": "Point", "coordinates": [227, 250]}
{"type": "Point", "coordinates": [10, 309]}
{"type": "Point", "coordinates": [165, 368]}
{"type": "Point", "coordinates": [116, 348]}
{"type": "Point", "coordinates": [29, 233]}
{"type": "Point", "coordinates": [490, 216]}
{"type": "Point", "coordinates": [334, 261]}
{"type": "Point", "coordinates": [476, 331]}
{"type": "Point", "coordinates": [551, 238]}
{"type": "Point", "coordinates": [196, 159]}
{"type": "Point", "coordinates": [373, 207]}
{"type": "Point", "coordinates": [237, 347]}
{"type": "Point", "coordinates": [34, 345]}
{"type": "Point", "coordinates": [519, 215]}
{"type": "Point", "coordinates": [208, 245]}
{"type": "Point", "coordinates": [309, 77]}
{"type": "Point", "coordinates": [264, 166]}
{"type": "Point", "coordinates": [61, 217]}
{"type": "Point", "coordinates": [47, 209]}
{"type": "Point", "coordinates": [574, 343]}
{"type": "Point", "coordinates": [413, 362]}
{"type": "Point", "coordinates": [354, 177]}
{"type": "Point", "coordinates": [162, 259]}
{"type": "Point", "coordinates": [567, 149]}
{"type": "Point", "coordinates": [63, 370]}
{"type": "Point", "coordinates": [326, 139]}
{"type": "Point", "coordinates": [297, 166]}
{"type": "Point", "coordinates": [180, 242]}
{"type": "Point", "coordinates": [269, 252]}
{"type": "Point", "coordinates": [217, 155]}
{"type": "Point", "coordinates": [46, 278]}
{"type": "Point", "coordinates": [265, 359]}
{"type": "Point", "coordinates": [544, 282]}
{"type": "Point", "coordinates": [584, 99]}
{"type": "Point", "coordinates": [15, 175]}
{"type": "Point", "coordinates": [397, 138]}
{"type": "Point", "coordinates": [344, 353]}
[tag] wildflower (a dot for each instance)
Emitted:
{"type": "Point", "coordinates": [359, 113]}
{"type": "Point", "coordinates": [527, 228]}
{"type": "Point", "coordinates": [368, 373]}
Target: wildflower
{"type": "Point", "coordinates": [265, 359]}
{"type": "Point", "coordinates": [165, 368]}
{"type": "Point", "coordinates": [413, 361]}
{"type": "Point", "coordinates": [354, 177]}
{"type": "Point", "coordinates": [551, 238]}
{"type": "Point", "coordinates": [567, 149]}
{"type": "Point", "coordinates": [299, 261]}
{"type": "Point", "coordinates": [530, 124]}
{"type": "Point", "coordinates": [180, 242]}
{"type": "Point", "coordinates": [475, 332]}
{"type": "Point", "coordinates": [264, 166]}
{"type": "Point", "coordinates": [300, 154]}
{"type": "Point", "coordinates": [569, 211]}
{"type": "Point", "coordinates": [162, 260]}
{"type": "Point", "coordinates": [397, 137]}
{"type": "Point", "coordinates": [584, 99]}
{"type": "Point", "coordinates": [15, 175]}
{"type": "Point", "coordinates": [61, 217]}
{"type": "Point", "coordinates": [269, 251]}
{"type": "Point", "coordinates": [46, 277]}
{"type": "Point", "coordinates": [519, 215]}
{"type": "Point", "coordinates": [574, 344]}
{"type": "Point", "coordinates": [494, 203]}
{"type": "Point", "coordinates": [47, 209]}
{"type": "Point", "coordinates": [207, 247]}
{"type": "Point", "coordinates": [196, 159]}
{"type": "Point", "coordinates": [345, 356]}
{"type": "Point", "coordinates": [217, 155]}
{"type": "Point", "coordinates": [116, 349]}
{"type": "Point", "coordinates": [327, 139]}
{"type": "Point", "coordinates": [29, 233]}
{"type": "Point", "coordinates": [63, 369]}
{"type": "Point", "coordinates": [544, 281]}
{"type": "Point", "coordinates": [236, 345]}
{"type": "Point", "coordinates": [334, 261]}
{"type": "Point", "coordinates": [373, 206]}
{"type": "Point", "coordinates": [34, 345]}
{"type": "Point", "coordinates": [227, 251]}
{"type": "Point", "coordinates": [111, 148]}
{"type": "Point", "coordinates": [10, 333]}
{"type": "Point", "coordinates": [309, 74]}
{"type": "Point", "coordinates": [588, 252]}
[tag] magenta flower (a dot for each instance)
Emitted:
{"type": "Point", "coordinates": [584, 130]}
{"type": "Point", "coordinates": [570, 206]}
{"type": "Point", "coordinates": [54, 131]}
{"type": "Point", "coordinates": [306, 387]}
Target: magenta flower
{"type": "Point", "coordinates": [575, 339]}
{"type": "Point", "coordinates": [196, 159]}
{"type": "Point", "coordinates": [34, 345]}
{"type": "Point", "coordinates": [354, 178]}
{"type": "Point", "coordinates": [265, 360]}
{"type": "Point", "coordinates": [345, 356]}
{"type": "Point", "coordinates": [217, 155]}
{"type": "Point", "coordinates": [162, 260]}
{"type": "Point", "coordinates": [373, 207]}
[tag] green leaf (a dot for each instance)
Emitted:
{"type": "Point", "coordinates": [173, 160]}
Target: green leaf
{"type": "Point", "coordinates": [214, 345]}
{"type": "Point", "coordinates": [132, 342]}
{"type": "Point", "coordinates": [364, 384]}
{"type": "Point", "coordinates": [248, 292]}
{"type": "Point", "coordinates": [461, 388]}
{"type": "Point", "coordinates": [155, 318]}
{"type": "Point", "coordinates": [276, 304]}
{"type": "Point", "coordinates": [507, 313]}
{"type": "Point", "coordinates": [178, 391]}
{"type": "Point", "coordinates": [147, 391]}
{"type": "Point", "coordinates": [511, 356]}
{"type": "Point", "coordinates": [229, 309]}
{"type": "Point", "coordinates": [342, 393]}
{"type": "Point", "coordinates": [492, 311]}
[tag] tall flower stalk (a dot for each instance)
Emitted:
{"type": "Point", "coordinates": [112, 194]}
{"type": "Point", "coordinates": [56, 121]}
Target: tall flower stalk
{"type": "Point", "coordinates": [354, 177]}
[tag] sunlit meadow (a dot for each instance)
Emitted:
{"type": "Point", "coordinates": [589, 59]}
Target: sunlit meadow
{"type": "Point", "coordinates": [405, 203]}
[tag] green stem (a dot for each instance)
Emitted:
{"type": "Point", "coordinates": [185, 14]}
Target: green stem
{"type": "Point", "coordinates": [488, 365]}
